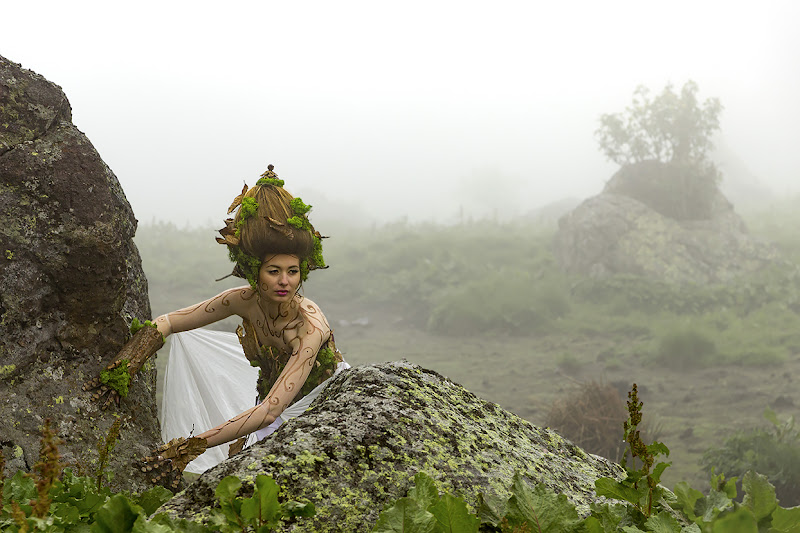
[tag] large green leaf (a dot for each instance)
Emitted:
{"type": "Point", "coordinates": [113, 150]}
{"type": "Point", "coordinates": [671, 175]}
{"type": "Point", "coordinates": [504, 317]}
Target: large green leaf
{"type": "Point", "coordinates": [117, 515]}
{"type": "Point", "coordinates": [709, 507]}
{"type": "Point", "coordinates": [453, 516]}
{"type": "Point", "coordinates": [263, 506]}
{"type": "Point", "coordinates": [663, 522]}
{"type": "Point", "coordinates": [687, 499]}
{"type": "Point", "coordinates": [609, 516]}
{"type": "Point", "coordinates": [759, 495]}
{"type": "Point", "coordinates": [424, 491]}
{"type": "Point", "coordinates": [151, 499]}
{"type": "Point", "coordinates": [541, 509]}
{"type": "Point", "coordinates": [19, 488]}
{"type": "Point", "coordinates": [491, 509]}
{"type": "Point", "coordinates": [739, 521]}
{"type": "Point", "coordinates": [786, 520]}
{"type": "Point", "coordinates": [406, 516]}
{"type": "Point", "coordinates": [611, 488]}
{"type": "Point", "coordinates": [230, 505]}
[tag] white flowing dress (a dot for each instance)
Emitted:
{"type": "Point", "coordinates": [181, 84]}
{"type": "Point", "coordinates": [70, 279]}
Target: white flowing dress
{"type": "Point", "coordinates": [208, 381]}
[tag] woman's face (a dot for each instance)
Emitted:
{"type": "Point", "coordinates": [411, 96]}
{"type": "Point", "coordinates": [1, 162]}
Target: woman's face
{"type": "Point", "coordinates": [279, 277]}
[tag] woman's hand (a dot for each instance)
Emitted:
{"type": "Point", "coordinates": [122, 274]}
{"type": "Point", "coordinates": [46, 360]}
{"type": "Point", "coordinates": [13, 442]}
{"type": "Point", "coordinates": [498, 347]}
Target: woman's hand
{"type": "Point", "coordinates": [113, 381]}
{"type": "Point", "coordinates": [168, 462]}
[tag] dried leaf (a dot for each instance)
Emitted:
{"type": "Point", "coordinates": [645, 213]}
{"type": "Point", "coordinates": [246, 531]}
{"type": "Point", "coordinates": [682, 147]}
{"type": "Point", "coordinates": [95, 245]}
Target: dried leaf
{"type": "Point", "coordinates": [238, 200]}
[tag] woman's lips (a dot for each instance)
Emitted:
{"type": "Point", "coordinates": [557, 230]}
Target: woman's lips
{"type": "Point", "coordinates": [281, 293]}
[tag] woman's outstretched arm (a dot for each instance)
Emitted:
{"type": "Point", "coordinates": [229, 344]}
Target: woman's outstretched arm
{"type": "Point", "coordinates": [313, 333]}
{"type": "Point", "coordinates": [221, 306]}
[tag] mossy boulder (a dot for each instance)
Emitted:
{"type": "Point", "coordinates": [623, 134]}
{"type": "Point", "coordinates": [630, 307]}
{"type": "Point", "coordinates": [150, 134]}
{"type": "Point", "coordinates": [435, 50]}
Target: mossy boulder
{"type": "Point", "coordinates": [374, 427]}
{"type": "Point", "coordinates": [70, 281]}
{"type": "Point", "coordinates": [661, 221]}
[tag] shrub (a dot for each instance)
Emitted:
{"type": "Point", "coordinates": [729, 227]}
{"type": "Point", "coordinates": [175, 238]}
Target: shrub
{"type": "Point", "coordinates": [508, 301]}
{"type": "Point", "coordinates": [685, 347]}
{"type": "Point", "coordinates": [773, 452]}
{"type": "Point", "coordinates": [592, 418]}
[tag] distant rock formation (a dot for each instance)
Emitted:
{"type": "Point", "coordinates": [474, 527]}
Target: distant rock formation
{"type": "Point", "coordinates": [359, 445]}
{"type": "Point", "coordinates": [70, 279]}
{"type": "Point", "coordinates": [659, 221]}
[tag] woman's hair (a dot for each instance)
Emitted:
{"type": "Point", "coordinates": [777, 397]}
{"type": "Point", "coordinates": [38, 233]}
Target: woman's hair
{"type": "Point", "coordinates": [269, 232]}
{"type": "Point", "coordinates": [269, 221]}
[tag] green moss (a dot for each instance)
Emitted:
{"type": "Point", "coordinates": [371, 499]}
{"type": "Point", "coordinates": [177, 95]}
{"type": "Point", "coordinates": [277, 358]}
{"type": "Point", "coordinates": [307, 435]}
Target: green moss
{"type": "Point", "coordinates": [118, 379]}
{"type": "Point", "coordinates": [299, 207]}
{"type": "Point", "coordinates": [6, 370]}
{"type": "Point", "coordinates": [271, 181]}
{"type": "Point", "coordinates": [18, 452]}
{"type": "Point", "coordinates": [248, 264]}
{"type": "Point", "coordinates": [136, 325]}
{"type": "Point", "coordinates": [247, 211]}
{"type": "Point", "coordinates": [298, 222]}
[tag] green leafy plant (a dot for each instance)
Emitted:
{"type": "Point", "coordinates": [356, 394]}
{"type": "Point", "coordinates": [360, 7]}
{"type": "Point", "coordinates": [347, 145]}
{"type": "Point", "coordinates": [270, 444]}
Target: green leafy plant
{"type": "Point", "coordinates": [262, 512]}
{"type": "Point", "coordinates": [774, 452]}
{"type": "Point", "coordinates": [641, 486]}
{"type": "Point", "coordinates": [424, 509]}
{"type": "Point", "coordinates": [57, 501]}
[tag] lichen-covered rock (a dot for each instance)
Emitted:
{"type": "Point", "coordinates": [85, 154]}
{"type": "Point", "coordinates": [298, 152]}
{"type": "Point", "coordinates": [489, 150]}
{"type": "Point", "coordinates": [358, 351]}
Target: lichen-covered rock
{"type": "Point", "coordinates": [70, 281]}
{"type": "Point", "coordinates": [648, 222]}
{"type": "Point", "coordinates": [359, 445]}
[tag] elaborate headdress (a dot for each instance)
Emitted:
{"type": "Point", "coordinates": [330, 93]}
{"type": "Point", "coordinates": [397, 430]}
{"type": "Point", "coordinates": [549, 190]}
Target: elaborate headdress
{"type": "Point", "coordinates": [268, 221]}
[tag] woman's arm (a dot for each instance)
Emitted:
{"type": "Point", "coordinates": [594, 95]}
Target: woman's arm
{"type": "Point", "coordinates": [221, 306]}
{"type": "Point", "coordinates": [147, 341]}
{"type": "Point", "coordinates": [314, 332]}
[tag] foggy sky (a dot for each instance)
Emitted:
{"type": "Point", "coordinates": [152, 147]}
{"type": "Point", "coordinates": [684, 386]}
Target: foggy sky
{"type": "Point", "coordinates": [412, 108]}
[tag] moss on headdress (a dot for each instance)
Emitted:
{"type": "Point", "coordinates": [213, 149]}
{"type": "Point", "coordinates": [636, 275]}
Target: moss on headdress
{"type": "Point", "coordinates": [248, 210]}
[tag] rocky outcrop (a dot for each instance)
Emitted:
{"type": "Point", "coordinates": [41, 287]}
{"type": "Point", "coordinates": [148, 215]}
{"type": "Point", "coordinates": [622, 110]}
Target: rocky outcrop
{"type": "Point", "coordinates": [657, 221]}
{"type": "Point", "coordinates": [359, 445]}
{"type": "Point", "coordinates": [70, 281]}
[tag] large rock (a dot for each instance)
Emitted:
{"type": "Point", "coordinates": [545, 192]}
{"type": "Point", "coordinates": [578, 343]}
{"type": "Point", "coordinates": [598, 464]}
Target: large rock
{"type": "Point", "coordinates": [359, 445]}
{"type": "Point", "coordinates": [70, 281]}
{"type": "Point", "coordinates": [658, 221]}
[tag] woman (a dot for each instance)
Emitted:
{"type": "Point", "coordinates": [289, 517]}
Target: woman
{"type": "Point", "coordinates": [283, 333]}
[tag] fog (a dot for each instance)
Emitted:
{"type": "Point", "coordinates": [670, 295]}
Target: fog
{"type": "Point", "coordinates": [379, 111]}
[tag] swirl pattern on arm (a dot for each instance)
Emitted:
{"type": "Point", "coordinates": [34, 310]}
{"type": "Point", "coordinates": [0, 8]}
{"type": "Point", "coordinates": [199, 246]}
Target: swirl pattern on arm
{"type": "Point", "coordinates": [223, 305]}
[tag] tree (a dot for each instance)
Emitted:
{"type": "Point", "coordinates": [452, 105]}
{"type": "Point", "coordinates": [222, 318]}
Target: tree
{"type": "Point", "coordinates": [669, 128]}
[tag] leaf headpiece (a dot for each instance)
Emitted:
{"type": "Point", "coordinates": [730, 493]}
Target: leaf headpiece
{"type": "Point", "coordinates": [269, 220]}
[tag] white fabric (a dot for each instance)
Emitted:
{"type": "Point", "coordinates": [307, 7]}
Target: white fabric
{"type": "Point", "coordinates": [208, 381]}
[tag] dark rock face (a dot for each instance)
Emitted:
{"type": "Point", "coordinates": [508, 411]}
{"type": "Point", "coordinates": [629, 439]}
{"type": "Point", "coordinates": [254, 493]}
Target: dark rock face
{"type": "Point", "coordinates": [70, 279]}
{"type": "Point", "coordinates": [653, 220]}
{"type": "Point", "coordinates": [359, 445]}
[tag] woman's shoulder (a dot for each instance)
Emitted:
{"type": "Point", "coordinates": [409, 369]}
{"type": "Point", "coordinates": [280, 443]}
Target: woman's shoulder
{"type": "Point", "coordinates": [312, 311]}
{"type": "Point", "coordinates": [238, 298]}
